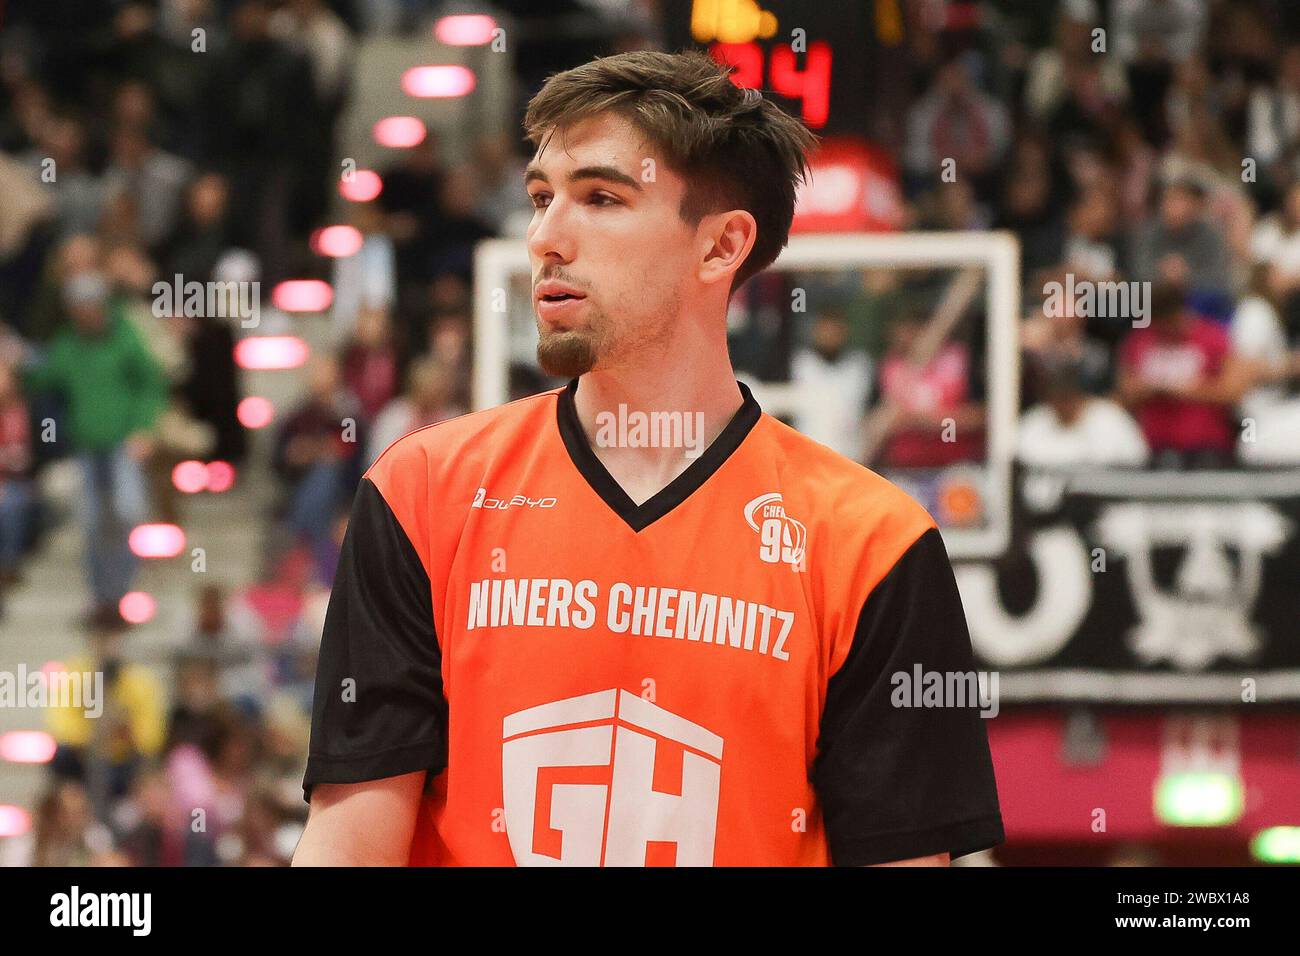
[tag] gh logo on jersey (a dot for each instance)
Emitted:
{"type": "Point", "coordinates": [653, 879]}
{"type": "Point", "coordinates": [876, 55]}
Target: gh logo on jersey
{"type": "Point", "coordinates": [579, 778]}
{"type": "Point", "coordinates": [781, 537]}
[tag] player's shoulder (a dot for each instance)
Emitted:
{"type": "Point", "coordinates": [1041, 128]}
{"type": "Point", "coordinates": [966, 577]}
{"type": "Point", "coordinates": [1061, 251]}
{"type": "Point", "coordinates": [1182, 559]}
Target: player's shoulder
{"type": "Point", "coordinates": [464, 442]}
{"type": "Point", "coordinates": [845, 497]}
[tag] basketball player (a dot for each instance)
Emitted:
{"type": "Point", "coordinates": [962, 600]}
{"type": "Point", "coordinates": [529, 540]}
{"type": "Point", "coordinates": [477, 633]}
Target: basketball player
{"type": "Point", "coordinates": [635, 620]}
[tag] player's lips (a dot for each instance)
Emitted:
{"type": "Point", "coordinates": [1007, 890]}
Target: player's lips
{"type": "Point", "coordinates": [555, 301]}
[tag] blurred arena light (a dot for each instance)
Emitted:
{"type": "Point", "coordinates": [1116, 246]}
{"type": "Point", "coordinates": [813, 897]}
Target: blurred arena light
{"type": "Point", "coordinates": [302, 295]}
{"type": "Point", "coordinates": [1276, 845]}
{"type": "Point", "coordinates": [336, 241]}
{"type": "Point", "coordinates": [268, 352]}
{"type": "Point", "coordinates": [363, 186]}
{"type": "Point", "coordinates": [190, 477]}
{"type": "Point", "coordinates": [255, 411]}
{"type": "Point", "coordinates": [221, 476]}
{"type": "Point", "coordinates": [1199, 799]}
{"type": "Point", "coordinates": [136, 607]}
{"type": "Point", "coordinates": [399, 132]}
{"type": "Point", "coordinates": [437, 82]}
{"type": "Point", "coordinates": [14, 821]}
{"type": "Point", "coordinates": [731, 21]}
{"type": "Point", "coordinates": [156, 540]}
{"type": "Point", "coordinates": [27, 746]}
{"type": "Point", "coordinates": [471, 29]}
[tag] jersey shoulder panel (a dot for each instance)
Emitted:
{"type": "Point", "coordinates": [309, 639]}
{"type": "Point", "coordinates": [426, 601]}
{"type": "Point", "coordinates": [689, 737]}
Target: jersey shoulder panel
{"type": "Point", "coordinates": [446, 461]}
{"type": "Point", "coordinates": [851, 494]}
{"type": "Point", "coordinates": [859, 523]}
{"type": "Point", "coordinates": [455, 435]}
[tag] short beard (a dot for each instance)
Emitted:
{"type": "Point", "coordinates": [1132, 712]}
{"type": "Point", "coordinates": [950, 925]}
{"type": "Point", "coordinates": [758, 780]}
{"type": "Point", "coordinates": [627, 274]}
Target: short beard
{"type": "Point", "coordinates": [566, 354]}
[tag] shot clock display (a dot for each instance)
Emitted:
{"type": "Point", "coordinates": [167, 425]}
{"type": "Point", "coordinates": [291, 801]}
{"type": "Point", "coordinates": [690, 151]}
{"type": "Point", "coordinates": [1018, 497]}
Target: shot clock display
{"type": "Point", "coordinates": [812, 58]}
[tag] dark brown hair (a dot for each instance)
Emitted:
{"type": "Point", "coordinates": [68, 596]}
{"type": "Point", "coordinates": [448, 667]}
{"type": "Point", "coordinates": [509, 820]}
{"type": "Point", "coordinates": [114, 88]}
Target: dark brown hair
{"type": "Point", "coordinates": [735, 149]}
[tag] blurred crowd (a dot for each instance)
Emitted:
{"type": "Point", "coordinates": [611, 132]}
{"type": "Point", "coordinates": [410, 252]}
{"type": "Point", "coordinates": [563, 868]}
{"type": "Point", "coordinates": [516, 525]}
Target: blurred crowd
{"type": "Point", "coordinates": [126, 160]}
{"type": "Point", "coordinates": [1171, 157]}
{"type": "Point", "coordinates": [1149, 148]}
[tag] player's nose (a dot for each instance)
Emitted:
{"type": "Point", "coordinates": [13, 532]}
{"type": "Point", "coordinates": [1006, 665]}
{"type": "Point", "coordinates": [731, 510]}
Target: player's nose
{"type": "Point", "coordinates": [551, 235]}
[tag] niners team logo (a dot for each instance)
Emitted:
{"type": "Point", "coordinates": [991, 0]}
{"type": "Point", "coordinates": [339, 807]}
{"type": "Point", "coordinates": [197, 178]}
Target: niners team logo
{"type": "Point", "coordinates": [781, 537]}
{"type": "Point", "coordinates": [609, 779]}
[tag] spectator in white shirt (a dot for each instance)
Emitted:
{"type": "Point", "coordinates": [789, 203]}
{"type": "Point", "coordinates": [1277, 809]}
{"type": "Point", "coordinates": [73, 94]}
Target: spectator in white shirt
{"type": "Point", "coordinates": [1273, 113]}
{"type": "Point", "coordinates": [155, 181]}
{"type": "Point", "coordinates": [834, 382]}
{"type": "Point", "coordinates": [1276, 243]}
{"type": "Point", "coordinates": [956, 120]}
{"type": "Point", "coordinates": [429, 398]}
{"type": "Point", "coordinates": [1270, 414]}
{"type": "Point", "coordinates": [1072, 429]}
{"type": "Point", "coordinates": [368, 277]}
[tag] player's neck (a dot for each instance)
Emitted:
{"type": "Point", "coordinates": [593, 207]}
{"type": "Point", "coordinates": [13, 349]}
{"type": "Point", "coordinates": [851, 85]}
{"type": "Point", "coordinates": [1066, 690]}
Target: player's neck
{"type": "Point", "coordinates": [701, 397]}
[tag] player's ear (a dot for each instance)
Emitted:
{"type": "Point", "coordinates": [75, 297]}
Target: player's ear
{"type": "Point", "coordinates": [726, 238]}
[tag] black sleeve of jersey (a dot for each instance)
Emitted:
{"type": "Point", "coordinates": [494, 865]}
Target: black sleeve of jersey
{"type": "Point", "coordinates": [899, 782]}
{"type": "Point", "coordinates": [379, 708]}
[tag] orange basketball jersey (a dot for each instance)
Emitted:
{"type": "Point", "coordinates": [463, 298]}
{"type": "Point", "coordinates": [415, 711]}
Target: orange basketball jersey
{"type": "Point", "coordinates": [708, 678]}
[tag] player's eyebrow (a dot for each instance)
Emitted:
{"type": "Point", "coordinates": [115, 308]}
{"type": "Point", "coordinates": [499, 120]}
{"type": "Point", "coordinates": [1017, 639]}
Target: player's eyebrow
{"type": "Point", "coordinates": [608, 173]}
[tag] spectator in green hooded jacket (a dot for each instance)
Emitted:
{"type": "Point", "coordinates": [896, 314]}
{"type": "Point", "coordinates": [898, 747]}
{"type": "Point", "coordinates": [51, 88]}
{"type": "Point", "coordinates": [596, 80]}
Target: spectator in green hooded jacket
{"type": "Point", "coordinates": [113, 392]}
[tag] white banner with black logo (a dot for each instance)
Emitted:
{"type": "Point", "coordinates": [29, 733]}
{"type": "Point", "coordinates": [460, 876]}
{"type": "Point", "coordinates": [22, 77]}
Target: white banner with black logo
{"type": "Point", "coordinates": [1144, 587]}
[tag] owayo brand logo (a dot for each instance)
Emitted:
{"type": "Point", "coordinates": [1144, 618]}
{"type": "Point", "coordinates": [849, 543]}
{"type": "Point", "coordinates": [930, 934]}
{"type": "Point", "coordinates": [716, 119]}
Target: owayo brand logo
{"type": "Point", "coordinates": [483, 500]}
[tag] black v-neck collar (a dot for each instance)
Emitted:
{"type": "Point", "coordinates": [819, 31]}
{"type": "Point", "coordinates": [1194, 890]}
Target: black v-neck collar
{"type": "Point", "coordinates": [676, 491]}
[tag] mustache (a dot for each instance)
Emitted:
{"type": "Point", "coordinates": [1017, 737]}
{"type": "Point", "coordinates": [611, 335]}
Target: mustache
{"type": "Point", "coordinates": [545, 276]}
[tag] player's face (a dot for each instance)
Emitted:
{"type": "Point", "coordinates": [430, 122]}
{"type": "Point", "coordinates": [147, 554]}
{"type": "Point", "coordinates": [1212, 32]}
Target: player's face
{"type": "Point", "coordinates": [610, 254]}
